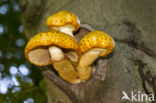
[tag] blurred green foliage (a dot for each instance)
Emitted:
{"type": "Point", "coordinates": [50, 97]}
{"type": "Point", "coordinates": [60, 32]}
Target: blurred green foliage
{"type": "Point", "coordinates": [20, 82]}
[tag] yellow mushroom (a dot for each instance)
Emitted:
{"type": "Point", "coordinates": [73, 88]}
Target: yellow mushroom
{"type": "Point", "coordinates": [93, 45]}
{"type": "Point", "coordinates": [64, 21]}
{"type": "Point", "coordinates": [48, 48]}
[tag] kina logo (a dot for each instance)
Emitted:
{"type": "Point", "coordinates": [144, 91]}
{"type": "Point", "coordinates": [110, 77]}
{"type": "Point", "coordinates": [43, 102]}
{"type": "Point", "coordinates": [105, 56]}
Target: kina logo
{"type": "Point", "coordinates": [137, 96]}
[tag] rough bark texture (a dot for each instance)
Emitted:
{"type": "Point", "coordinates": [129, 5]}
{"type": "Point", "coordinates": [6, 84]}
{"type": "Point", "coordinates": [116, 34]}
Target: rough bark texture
{"type": "Point", "coordinates": [132, 65]}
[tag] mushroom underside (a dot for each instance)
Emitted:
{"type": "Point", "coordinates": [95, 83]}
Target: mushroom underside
{"type": "Point", "coordinates": [41, 56]}
{"type": "Point", "coordinates": [84, 67]}
{"type": "Point", "coordinates": [89, 57]}
{"type": "Point", "coordinates": [72, 55]}
{"type": "Point", "coordinates": [68, 29]}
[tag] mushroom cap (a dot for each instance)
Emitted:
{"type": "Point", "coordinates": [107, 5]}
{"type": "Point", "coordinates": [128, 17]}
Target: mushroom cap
{"type": "Point", "coordinates": [36, 50]}
{"type": "Point", "coordinates": [63, 18]}
{"type": "Point", "coordinates": [97, 39]}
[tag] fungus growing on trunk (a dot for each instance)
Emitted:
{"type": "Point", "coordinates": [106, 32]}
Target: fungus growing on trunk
{"type": "Point", "coordinates": [59, 47]}
{"type": "Point", "coordinates": [48, 48]}
{"type": "Point", "coordinates": [64, 21]}
{"type": "Point", "coordinates": [92, 46]}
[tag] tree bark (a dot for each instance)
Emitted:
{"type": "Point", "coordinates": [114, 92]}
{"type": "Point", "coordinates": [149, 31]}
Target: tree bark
{"type": "Point", "coordinates": [132, 65]}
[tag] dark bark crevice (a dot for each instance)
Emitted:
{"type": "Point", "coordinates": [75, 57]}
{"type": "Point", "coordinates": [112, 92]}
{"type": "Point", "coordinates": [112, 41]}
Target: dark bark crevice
{"type": "Point", "coordinates": [135, 39]}
{"type": "Point", "coordinates": [132, 43]}
{"type": "Point", "coordinates": [147, 78]}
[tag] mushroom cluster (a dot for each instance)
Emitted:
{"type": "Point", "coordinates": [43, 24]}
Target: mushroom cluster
{"type": "Point", "coordinates": [59, 48]}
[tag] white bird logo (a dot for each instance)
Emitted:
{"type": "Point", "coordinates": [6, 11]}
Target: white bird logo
{"type": "Point", "coordinates": [125, 96]}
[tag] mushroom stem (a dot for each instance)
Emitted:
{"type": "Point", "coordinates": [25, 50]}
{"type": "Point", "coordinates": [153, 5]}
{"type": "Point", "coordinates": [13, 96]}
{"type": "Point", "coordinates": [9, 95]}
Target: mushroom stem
{"type": "Point", "coordinates": [56, 53]}
{"type": "Point", "coordinates": [62, 65]}
{"type": "Point", "coordinates": [84, 66]}
{"type": "Point", "coordinates": [66, 71]}
{"type": "Point", "coordinates": [68, 29]}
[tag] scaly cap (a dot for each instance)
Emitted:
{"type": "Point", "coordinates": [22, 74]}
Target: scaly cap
{"type": "Point", "coordinates": [63, 18]}
{"type": "Point", "coordinates": [97, 39]}
{"type": "Point", "coordinates": [40, 43]}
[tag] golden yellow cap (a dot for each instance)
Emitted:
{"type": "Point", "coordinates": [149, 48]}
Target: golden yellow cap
{"type": "Point", "coordinates": [63, 18]}
{"type": "Point", "coordinates": [97, 39]}
{"type": "Point", "coordinates": [47, 39]}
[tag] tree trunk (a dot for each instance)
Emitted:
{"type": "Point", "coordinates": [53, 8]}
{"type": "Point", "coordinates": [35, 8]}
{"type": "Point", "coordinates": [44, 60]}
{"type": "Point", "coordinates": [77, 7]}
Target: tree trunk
{"type": "Point", "coordinates": [132, 65]}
